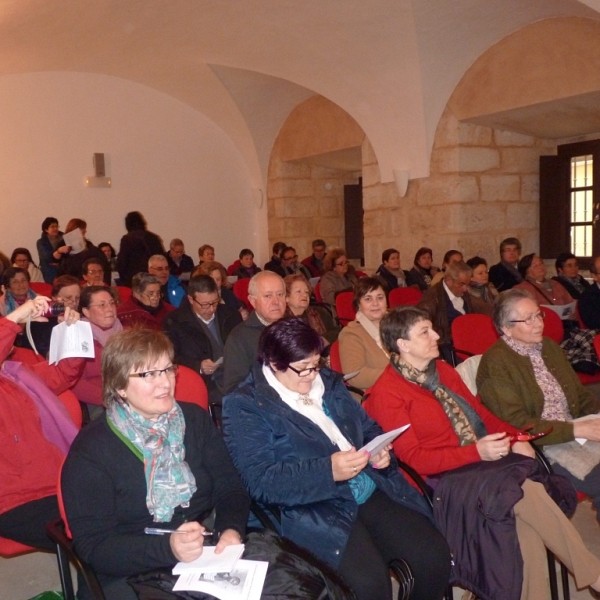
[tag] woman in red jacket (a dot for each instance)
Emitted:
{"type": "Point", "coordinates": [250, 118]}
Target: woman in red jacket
{"type": "Point", "coordinates": [450, 428]}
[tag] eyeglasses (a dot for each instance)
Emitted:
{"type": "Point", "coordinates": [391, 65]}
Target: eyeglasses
{"type": "Point", "coordinates": [104, 305]}
{"type": "Point", "coordinates": [341, 264]}
{"type": "Point", "coordinates": [290, 257]}
{"type": "Point", "coordinates": [307, 371]}
{"type": "Point", "coordinates": [154, 375]}
{"type": "Point", "coordinates": [531, 319]}
{"type": "Point", "coordinates": [205, 305]}
{"type": "Point", "coordinates": [152, 294]}
{"type": "Point", "coordinates": [160, 269]}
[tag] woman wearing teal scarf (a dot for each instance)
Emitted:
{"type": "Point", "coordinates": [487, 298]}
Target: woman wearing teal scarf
{"type": "Point", "coordinates": [16, 290]}
{"type": "Point", "coordinates": [148, 462]}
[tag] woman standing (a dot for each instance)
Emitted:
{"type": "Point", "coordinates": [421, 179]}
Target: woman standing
{"type": "Point", "coordinates": [51, 249]}
{"type": "Point", "coordinates": [361, 348]}
{"type": "Point", "coordinates": [294, 434]}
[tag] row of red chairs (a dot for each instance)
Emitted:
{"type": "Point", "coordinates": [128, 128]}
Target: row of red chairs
{"type": "Point", "coordinates": [45, 289]}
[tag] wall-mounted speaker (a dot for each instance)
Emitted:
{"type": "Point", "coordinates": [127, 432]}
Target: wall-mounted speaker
{"type": "Point", "coordinates": [98, 160]}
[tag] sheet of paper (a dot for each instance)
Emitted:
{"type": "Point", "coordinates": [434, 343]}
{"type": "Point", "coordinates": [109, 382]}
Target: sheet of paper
{"type": "Point", "coordinates": [349, 376]}
{"type": "Point", "coordinates": [582, 441]}
{"type": "Point", "coordinates": [244, 582]}
{"type": "Point", "coordinates": [564, 311]}
{"type": "Point", "coordinates": [71, 341]}
{"type": "Point", "coordinates": [377, 444]}
{"type": "Point", "coordinates": [209, 562]}
{"type": "Point", "coordinates": [75, 240]}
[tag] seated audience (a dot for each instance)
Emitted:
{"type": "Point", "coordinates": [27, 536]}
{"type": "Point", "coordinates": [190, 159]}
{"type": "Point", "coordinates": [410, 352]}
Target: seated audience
{"type": "Point", "coordinates": [72, 264]}
{"type": "Point", "coordinates": [30, 468]}
{"type": "Point", "coordinates": [4, 263]}
{"type": "Point", "coordinates": [451, 256]}
{"type": "Point", "coordinates": [589, 303]}
{"type": "Point", "coordinates": [266, 294]}
{"type": "Point", "coordinates": [16, 290]}
{"type": "Point", "coordinates": [297, 298]}
{"type": "Point", "coordinates": [423, 270]}
{"type": "Point", "coordinates": [247, 268]}
{"type": "Point", "coordinates": [111, 255]}
{"type": "Point", "coordinates": [449, 429]}
{"type": "Point", "coordinates": [361, 348]}
{"type": "Point", "coordinates": [51, 249]}
{"type": "Point", "coordinates": [170, 286]}
{"type": "Point", "coordinates": [199, 329]}
{"type": "Point", "coordinates": [314, 262]}
{"type": "Point", "coordinates": [276, 264]}
{"type": "Point", "coordinates": [293, 432]}
{"type": "Point", "coordinates": [98, 307]}
{"type": "Point", "coordinates": [390, 270]}
{"type": "Point", "coordinates": [145, 307]}
{"type": "Point", "coordinates": [149, 461]}
{"type": "Point", "coordinates": [568, 275]}
{"type": "Point", "coordinates": [336, 278]}
{"type": "Point", "coordinates": [136, 248]}
{"type": "Point", "coordinates": [291, 265]}
{"type": "Point", "coordinates": [480, 286]}
{"type": "Point", "coordinates": [505, 274]}
{"type": "Point", "coordinates": [447, 300]}
{"type": "Point", "coordinates": [525, 379]}
{"type": "Point", "coordinates": [179, 261]}
{"type": "Point", "coordinates": [206, 253]}
{"type": "Point", "coordinates": [21, 258]}
{"type": "Point", "coordinates": [92, 272]}
{"type": "Point", "coordinates": [66, 289]}
{"type": "Point", "coordinates": [217, 271]}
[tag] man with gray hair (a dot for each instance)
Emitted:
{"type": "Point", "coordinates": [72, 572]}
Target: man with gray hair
{"type": "Point", "coordinates": [449, 299]}
{"type": "Point", "coordinates": [170, 286]}
{"type": "Point", "coordinates": [266, 293]}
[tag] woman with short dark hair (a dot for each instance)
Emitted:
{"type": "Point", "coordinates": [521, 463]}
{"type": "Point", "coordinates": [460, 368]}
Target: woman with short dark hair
{"type": "Point", "coordinates": [16, 290]}
{"type": "Point", "coordinates": [51, 249]}
{"type": "Point", "coordinates": [423, 271]}
{"type": "Point", "coordinates": [480, 285]}
{"type": "Point", "coordinates": [295, 434]}
{"type": "Point", "coordinates": [246, 269]}
{"type": "Point", "coordinates": [21, 257]}
{"type": "Point", "coordinates": [390, 270]}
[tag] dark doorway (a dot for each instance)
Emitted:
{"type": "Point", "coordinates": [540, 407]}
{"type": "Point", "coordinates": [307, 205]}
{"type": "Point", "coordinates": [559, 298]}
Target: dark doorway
{"type": "Point", "coordinates": [353, 222]}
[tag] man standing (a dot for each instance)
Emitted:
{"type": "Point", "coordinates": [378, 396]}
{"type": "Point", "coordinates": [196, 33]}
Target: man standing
{"type": "Point", "coordinates": [266, 293]}
{"type": "Point", "coordinates": [170, 286]}
{"type": "Point", "coordinates": [447, 300]}
{"type": "Point", "coordinates": [314, 262]}
{"type": "Point", "coordinates": [179, 261]}
{"type": "Point", "coordinates": [199, 329]}
{"type": "Point", "coordinates": [589, 303]}
{"type": "Point", "coordinates": [505, 274]}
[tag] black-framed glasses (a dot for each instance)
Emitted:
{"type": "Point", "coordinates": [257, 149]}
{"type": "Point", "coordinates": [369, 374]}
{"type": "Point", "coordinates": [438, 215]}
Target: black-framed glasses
{"type": "Point", "coordinates": [154, 375]}
{"type": "Point", "coordinates": [307, 371]}
{"type": "Point", "coordinates": [531, 319]}
{"type": "Point", "coordinates": [205, 305]}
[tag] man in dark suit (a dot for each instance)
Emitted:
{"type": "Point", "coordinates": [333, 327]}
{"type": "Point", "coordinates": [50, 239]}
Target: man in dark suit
{"type": "Point", "coordinates": [589, 302]}
{"type": "Point", "coordinates": [179, 261]}
{"type": "Point", "coordinates": [505, 275]}
{"type": "Point", "coordinates": [198, 330]}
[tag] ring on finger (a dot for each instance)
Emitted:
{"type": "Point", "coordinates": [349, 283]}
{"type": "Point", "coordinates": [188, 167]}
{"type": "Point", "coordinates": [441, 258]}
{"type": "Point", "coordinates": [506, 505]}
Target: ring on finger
{"type": "Point", "coordinates": [355, 470]}
{"type": "Point", "coordinates": [500, 454]}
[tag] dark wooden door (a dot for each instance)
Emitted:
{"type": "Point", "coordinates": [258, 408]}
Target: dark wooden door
{"type": "Point", "coordinates": [353, 222]}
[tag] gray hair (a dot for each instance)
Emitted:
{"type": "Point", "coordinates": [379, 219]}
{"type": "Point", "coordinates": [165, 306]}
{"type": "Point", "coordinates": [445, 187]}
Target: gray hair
{"type": "Point", "coordinates": [141, 281]}
{"type": "Point", "coordinates": [253, 285]}
{"type": "Point", "coordinates": [504, 307]}
{"type": "Point", "coordinates": [155, 257]}
{"type": "Point", "coordinates": [397, 324]}
{"type": "Point", "coordinates": [453, 270]}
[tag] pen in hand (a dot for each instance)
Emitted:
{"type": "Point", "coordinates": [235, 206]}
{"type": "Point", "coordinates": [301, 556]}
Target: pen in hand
{"type": "Point", "coordinates": [159, 531]}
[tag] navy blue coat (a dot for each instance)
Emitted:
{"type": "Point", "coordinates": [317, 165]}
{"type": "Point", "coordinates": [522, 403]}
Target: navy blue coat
{"type": "Point", "coordinates": [284, 459]}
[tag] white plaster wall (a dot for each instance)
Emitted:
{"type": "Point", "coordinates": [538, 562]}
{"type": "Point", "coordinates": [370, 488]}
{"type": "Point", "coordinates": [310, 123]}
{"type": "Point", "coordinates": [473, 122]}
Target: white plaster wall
{"type": "Point", "coordinates": [165, 159]}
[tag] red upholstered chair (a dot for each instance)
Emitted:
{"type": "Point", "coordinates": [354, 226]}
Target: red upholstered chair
{"type": "Point", "coordinates": [334, 357]}
{"type": "Point", "coordinates": [584, 377]}
{"type": "Point", "coordinates": [317, 292]}
{"type": "Point", "coordinates": [240, 289]}
{"type": "Point", "coordinates": [233, 267]}
{"type": "Point", "coordinates": [553, 325]}
{"type": "Point", "coordinates": [190, 387]}
{"type": "Point", "coordinates": [360, 274]}
{"type": "Point", "coordinates": [10, 548]}
{"type": "Point", "coordinates": [41, 287]}
{"type": "Point", "coordinates": [406, 296]}
{"type": "Point", "coordinates": [69, 399]}
{"type": "Point", "coordinates": [345, 310]}
{"type": "Point", "coordinates": [124, 293]}
{"type": "Point", "coordinates": [473, 334]}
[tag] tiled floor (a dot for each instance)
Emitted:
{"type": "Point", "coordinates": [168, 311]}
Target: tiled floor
{"type": "Point", "coordinates": [25, 576]}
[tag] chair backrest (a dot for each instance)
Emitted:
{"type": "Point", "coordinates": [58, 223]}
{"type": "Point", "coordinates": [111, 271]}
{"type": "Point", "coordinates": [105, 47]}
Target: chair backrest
{"type": "Point", "coordinates": [233, 267]}
{"type": "Point", "coordinates": [317, 292]}
{"type": "Point", "coordinates": [124, 293]}
{"type": "Point", "coordinates": [41, 287]}
{"type": "Point", "coordinates": [240, 289]}
{"type": "Point", "coordinates": [473, 334]}
{"type": "Point", "coordinates": [334, 357]}
{"type": "Point", "coordinates": [343, 306]}
{"type": "Point", "coordinates": [190, 387]}
{"type": "Point", "coordinates": [361, 274]}
{"type": "Point", "coordinates": [10, 548]}
{"type": "Point", "coordinates": [405, 296]}
{"type": "Point", "coordinates": [553, 325]}
{"type": "Point", "coordinates": [69, 399]}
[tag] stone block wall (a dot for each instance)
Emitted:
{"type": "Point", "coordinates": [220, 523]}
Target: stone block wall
{"type": "Point", "coordinates": [483, 187]}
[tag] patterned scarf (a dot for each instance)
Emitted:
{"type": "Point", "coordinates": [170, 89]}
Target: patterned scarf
{"type": "Point", "coordinates": [483, 291]}
{"type": "Point", "coordinates": [467, 424]}
{"type": "Point", "coordinates": [11, 302]}
{"type": "Point", "coordinates": [169, 479]}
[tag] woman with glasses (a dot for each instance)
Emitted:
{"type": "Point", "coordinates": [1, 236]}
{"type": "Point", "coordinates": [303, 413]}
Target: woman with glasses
{"type": "Point", "coordinates": [99, 309]}
{"type": "Point", "coordinates": [525, 379]}
{"type": "Point", "coordinates": [296, 438]}
{"type": "Point", "coordinates": [145, 306]}
{"type": "Point", "coordinates": [150, 461]}
{"type": "Point", "coordinates": [336, 277]}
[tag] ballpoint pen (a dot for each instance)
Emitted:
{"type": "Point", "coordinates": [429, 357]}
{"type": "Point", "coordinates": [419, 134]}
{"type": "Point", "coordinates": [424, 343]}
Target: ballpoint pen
{"type": "Point", "coordinates": [159, 531]}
